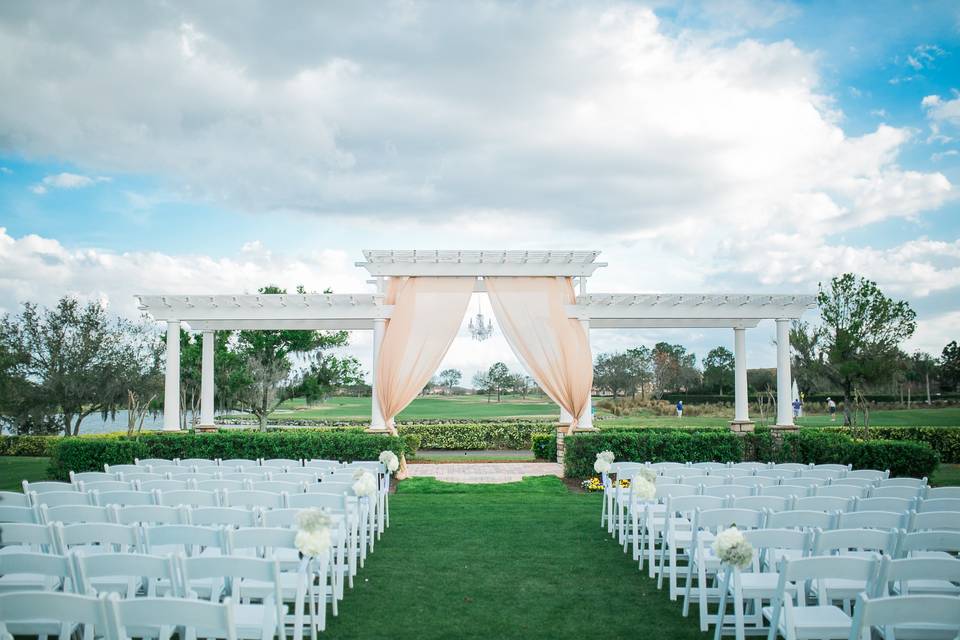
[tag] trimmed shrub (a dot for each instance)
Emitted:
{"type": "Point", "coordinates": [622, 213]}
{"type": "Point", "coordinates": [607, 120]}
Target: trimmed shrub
{"type": "Point", "coordinates": [37, 446]}
{"type": "Point", "coordinates": [944, 440]}
{"type": "Point", "coordinates": [545, 446]}
{"type": "Point", "coordinates": [90, 454]}
{"type": "Point", "coordinates": [478, 435]}
{"type": "Point", "coordinates": [654, 446]}
{"type": "Point", "coordinates": [832, 446]}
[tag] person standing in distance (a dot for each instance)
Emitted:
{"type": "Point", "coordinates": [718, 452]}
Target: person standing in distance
{"type": "Point", "coordinates": [679, 408]}
{"type": "Point", "coordinates": [832, 409]}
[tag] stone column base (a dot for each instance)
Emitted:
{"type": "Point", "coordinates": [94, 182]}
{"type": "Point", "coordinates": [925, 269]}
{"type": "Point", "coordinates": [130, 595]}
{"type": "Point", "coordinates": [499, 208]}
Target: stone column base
{"type": "Point", "coordinates": [383, 432]}
{"type": "Point", "coordinates": [785, 427]}
{"type": "Point", "coordinates": [206, 428]}
{"type": "Point", "coordinates": [742, 426]}
{"type": "Point", "coordinates": [562, 434]}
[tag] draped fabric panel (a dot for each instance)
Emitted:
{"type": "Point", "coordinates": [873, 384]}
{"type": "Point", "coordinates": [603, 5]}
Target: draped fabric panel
{"type": "Point", "coordinates": [555, 349]}
{"type": "Point", "coordinates": [427, 313]}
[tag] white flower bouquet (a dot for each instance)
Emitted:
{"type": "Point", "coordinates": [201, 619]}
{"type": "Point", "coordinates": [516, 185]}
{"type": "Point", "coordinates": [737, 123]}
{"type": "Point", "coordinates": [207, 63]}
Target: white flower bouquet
{"type": "Point", "coordinates": [604, 461]}
{"type": "Point", "coordinates": [364, 483]}
{"type": "Point", "coordinates": [390, 460]}
{"type": "Point", "coordinates": [313, 532]}
{"type": "Point", "coordinates": [643, 489]}
{"type": "Point", "coordinates": [732, 548]}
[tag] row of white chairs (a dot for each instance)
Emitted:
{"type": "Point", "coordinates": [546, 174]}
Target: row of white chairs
{"type": "Point", "coordinates": [258, 571]}
{"type": "Point", "coordinates": [229, 462]}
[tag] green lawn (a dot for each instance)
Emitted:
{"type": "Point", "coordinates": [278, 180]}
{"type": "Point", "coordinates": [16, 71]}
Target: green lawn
{"type": "Point", "coordinates": [522, 560]}
{"type": "Point", "coordinates": [14, 470]}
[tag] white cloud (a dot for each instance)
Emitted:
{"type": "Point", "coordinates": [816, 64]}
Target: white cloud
{"type": "Point", "coordinates": [66, 181]}
{"type": "Point", "coordinates": [6, 171]}
{"type": "Point", "coordinates": [942, 114]}
{"type": "Point", "coordinates": [593, 115]}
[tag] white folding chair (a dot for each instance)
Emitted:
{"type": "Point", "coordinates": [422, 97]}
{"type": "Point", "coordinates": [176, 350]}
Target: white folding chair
{"type": "Point", "coordinates": [937, 493]}
{"type": "Point", "coordinates": [218, 485]}
{"type": "Point", "coordinates": [910, 617]}
{"type": "Point", "coordinates": [784, 491]}
{"type": "Point", "coordinates": [883, 504]}
{"type": "Point", "coordinates": [28, 571]}
{"type": "Point", "coordinates": [206, 465]}
{"type": "Point", "coordinates": [189, 498]}
{"type": "Point", "coordinates": [906, 493]}
{"type": "Point", "coordinates": [869, 474]}
{"type": "Point", "coordinates": [108, 485]}
{"type": "Point", "coordinates": [915, 576]}
{"type": "Point", "coordinates": [752, 466]}
{"type": "Point", "coordinates": [162, 616]}
{"type": "Point", "coordinates": [349, 511]}
{"type": "Point", "coordinates": [810, 483]}
{"type": "Point", "coordinates": [939, 504]}
{"type": "Point", "coordinates": [190, 540]}
{"type": "Point", "coordinates": [706, 481]}
{"type": "Point", "coordinates": [253, 621]}
{"type": "Point", "coordinates": [149, 514]}
{"type": "Point", "coordinates": [759, 481]}
{"type": "Point", "coordinates": [236, 463]}
{"type": "Point", "coordinates": [822, 503]}
{"type": "Point", "coordinates": [283, 463]}
{"type": "Point", "coordinates": [677, 535]}
{"type": "Point", "coordinates": [710, 466]}
{"type": "Point", "coordinates": [167, 471]}
{"type": "Point", "coordinates": [247, 476]}
{"type": "Point", "coordinates": [14, 499]}
{"type": "Point", "coordinates": [122, 498]}
{"type": "Point", "coordinates": [97, 537]}
{"type": "Point", "coordinates": [19, 514]}
{"type": "Point", "coordinates": [824, 473]}
{"type": "Point", "coordinates": [789, 613]}
{"type": "Point", "coordinates": [60, 498]}
{"type": "Point", "coordinates": [92, 476]}
{"type": "Point", "coordinates": [193, 477]}
{"type": "Point", "coordinates": [864, 483]}
{"type": "Point", "coordinates": [919, 483]}
{"type": "Point", "coordinates": [942, 520]}
{"type": "Point", "coordinates": [703, 562]}
{"type": "Point", "coordinates": [647, 522]}
{"type": "Point", "coordinates": [885, 520]}
{"type": "Point", "coordinates": [801, 519]}
{"type": "Point", "coordinates": [297, 585]}
{"type": "Point", "coordinates": [727, 490]}
{"type": "Point", "coordinates": [847, 491]}
{"type": "Point", "coordinates": [122, 468]}
{"type": "Point", "coordinates": [47, 487]}
{"type": "Point", "coordinates": [277, 486]}
{"type": "Point", "coordinates": [223, 516]}
{"type": "Point", "coordinates": [143, 476]}
{"type": "Point", "coordinates": [69, 514]}
{"type": "Point", "coordinates": [155, 462]}
{"type": "Point", "coordinates": [758, 582]}
{"type": "Point", "coordinates": [24, 537]}
{"type": "Point", "coordinates": [942, 545]}
{"type": "Point", "coordinates": [165, 485]}
{"type": "Point", "coordinates": [126, 574]}
{"type": "Point", "coordinates": [248, 498]}
{"type": "Point", "coordinates": [861, 543]}
{"type": "Point", "coordinates": [790, 466]}
{"type": "Point", "coordinates": [760, 503]}
{"type": "Point", "coordinates": [52, 615]}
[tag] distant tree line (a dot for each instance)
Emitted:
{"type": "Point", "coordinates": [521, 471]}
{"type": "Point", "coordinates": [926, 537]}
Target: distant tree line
{"type": "Point", "coordinates": [59, 366]}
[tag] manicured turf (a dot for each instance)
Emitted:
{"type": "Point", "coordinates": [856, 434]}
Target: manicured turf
{"type": "Point", "coordinates": [522, 560]}
{"type": "Point", "coordinates": [14, 470]}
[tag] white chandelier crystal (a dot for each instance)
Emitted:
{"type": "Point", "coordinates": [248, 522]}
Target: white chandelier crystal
{"type": "Point", "coordinates": [480, 327]}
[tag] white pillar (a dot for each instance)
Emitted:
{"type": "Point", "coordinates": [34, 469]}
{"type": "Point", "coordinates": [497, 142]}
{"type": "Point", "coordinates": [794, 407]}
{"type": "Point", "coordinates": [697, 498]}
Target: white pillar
{"type": "Point", "coordinates": [784, 401]}
{"type": "Point", "coordinates": [171, 387]}
{"type": "Point", "coordinates": [206, 380]}
{"type": "Point", "coordinates": [741, 403]}
{"type": "Point", "coordinates": [586, 421]}
{"type": "Point", "coordinates": [376, 416]}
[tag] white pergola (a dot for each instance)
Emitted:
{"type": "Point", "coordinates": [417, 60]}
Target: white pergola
{"type": "Point", "coordinates": [367, 311]}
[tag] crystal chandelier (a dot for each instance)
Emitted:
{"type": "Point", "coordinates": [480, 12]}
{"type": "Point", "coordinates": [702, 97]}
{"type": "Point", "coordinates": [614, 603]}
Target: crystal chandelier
{"type": "Point", "coordinates": [480, 327]}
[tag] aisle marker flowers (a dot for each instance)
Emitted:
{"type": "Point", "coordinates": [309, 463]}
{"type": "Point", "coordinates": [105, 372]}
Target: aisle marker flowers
{"type": "Point", "coordinates": [390, 460]}
{"type": "Point", "coordinates": [604, 461]}
{"type": "Point", "coordinates": [644, 485]}
{"type": "Point", "coordinates": [313, 532]}
{"type": "Point", "coordinates": [732, 548]}
{"type": "Point", "coordinates": [364, 484]}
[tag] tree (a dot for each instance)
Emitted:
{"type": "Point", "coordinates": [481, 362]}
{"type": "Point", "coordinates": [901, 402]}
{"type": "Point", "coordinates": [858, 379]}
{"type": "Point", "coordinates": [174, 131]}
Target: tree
{"type": "Point", "coordinates": [718, 369]}
{"type": "Point", "coordinates": [616, 373]}
{"type": "Point", "coordinates": [859, 337]}
{"type": "Point", "coordinates": [266, 360]}
{"type": "Point", "coordinates": [673, 367]}
{"type": "Point", "coordinates": [326, 373]}
{"type": "Point", "coordinates": [922, 366]}
{"type": "Point", "coordinates": [72, 361]}
{"type": "Point", "coordinates": [643, 368]}
{"type": "Point", "coordinates": [950, 366]}
{"type": "Point", "coordinates": [481, 382]}
{"type": "Point", "coordinates": [449, 378]}
{"type": "Point", "coordinates": [499, 378]}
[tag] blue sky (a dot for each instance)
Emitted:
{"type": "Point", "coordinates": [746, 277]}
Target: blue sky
{"type": "Point", "coordinates": [721, 146]}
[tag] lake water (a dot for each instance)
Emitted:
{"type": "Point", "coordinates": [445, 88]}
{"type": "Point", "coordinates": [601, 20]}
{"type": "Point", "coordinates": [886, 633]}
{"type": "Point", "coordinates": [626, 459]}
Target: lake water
{"type": "Point", "coordinates": [96, 424]}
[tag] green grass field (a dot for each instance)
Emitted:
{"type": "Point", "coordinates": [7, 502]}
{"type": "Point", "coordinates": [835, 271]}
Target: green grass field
{"type": "Point", "coordinates": [478, 408]}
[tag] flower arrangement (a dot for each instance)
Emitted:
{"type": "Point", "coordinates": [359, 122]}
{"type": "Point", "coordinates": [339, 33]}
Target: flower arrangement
{"type": "Point", "coordinates": [592, 484]}
{"type": "Point", "coordinates": [604, 461]}
{"type": "Point", "coordinates": [732, 548]}
{"type": "Point", "coordinates": [643, 489]}
{"type": "Point", "coordinates": [313, 532]}
{"type": "Point", "coordinates": [389, 460]}
{"type": "Point", "coordinates": [364, 484]}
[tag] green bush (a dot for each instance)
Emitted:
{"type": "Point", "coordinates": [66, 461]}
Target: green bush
{"type": "Point", "coordinates": [91, 453]}
{"type": "Point", "coordinates": [944, 440]}
{"type": "Point", "coordinates": [478, 435]}
{"type": "Point", "coordinates": [36, 446]}
{"type": "Point", "coordinates": [545, 446]}
{"type": "Point", "coordinates": [826, 446]}
{"type": "Point", "coordinates": [654, 446]}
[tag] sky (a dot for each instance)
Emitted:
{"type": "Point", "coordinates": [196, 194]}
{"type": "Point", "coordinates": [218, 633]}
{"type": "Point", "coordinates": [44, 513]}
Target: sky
{"type": "Point", "coordinates": [723, 146]}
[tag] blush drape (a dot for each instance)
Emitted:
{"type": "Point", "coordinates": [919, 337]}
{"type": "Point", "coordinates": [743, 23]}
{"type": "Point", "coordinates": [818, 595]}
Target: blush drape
{"type": "Point", "coordinates": [555, 349]}
{"type": "Point", "coordinates": [427, 313]}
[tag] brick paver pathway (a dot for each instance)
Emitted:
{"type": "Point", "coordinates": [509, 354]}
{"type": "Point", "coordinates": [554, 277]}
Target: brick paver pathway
{"type": "Point", "coordinates": [494, 472]}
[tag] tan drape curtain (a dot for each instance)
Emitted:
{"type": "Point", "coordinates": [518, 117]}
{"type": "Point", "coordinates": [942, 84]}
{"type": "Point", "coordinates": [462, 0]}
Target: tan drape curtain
{"type": "Point", "coordinates": [554, 348]}
{"type": "Point", "coordinates": [427, 314]}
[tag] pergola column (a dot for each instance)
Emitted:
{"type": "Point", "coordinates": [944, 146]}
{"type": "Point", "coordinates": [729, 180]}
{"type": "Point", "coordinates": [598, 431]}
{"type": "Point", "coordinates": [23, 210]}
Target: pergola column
{"type": "Point", "coordinates": [784, 401]}
{"type": "Point", "coordinates": [586, 421]}
{"type": "Point", "coordinates": [377, 422]}
{"type": "Point", "coordinates": [741, 398]}
{"type": "Point", "coordinates": [171, 387]}
{"type": "Point", "coordinates": [207, 380]}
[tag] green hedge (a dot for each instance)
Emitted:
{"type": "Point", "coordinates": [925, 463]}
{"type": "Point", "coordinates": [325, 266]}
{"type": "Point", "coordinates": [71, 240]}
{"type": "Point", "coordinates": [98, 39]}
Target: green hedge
{"type": "Point", "coordinates": [478, 435]}
{"type": "Point", "coordinates": [825, 446]}
{"type": "Point", "coordinates": [545, 446]}
{"type": "Point", "coordinates": [36, 446]}
{"type": "Point", "coordinates": [944, 440]}
{"type": "Point", "coordinates": [90, 454]}
{"type": "Point", "coordinates": [817, 446]}
{"type": "Point", "coordinates": [654, 446]}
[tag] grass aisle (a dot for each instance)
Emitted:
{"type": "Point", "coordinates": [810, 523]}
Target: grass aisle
{"type": "Point", "coordinates": [523, 560]}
